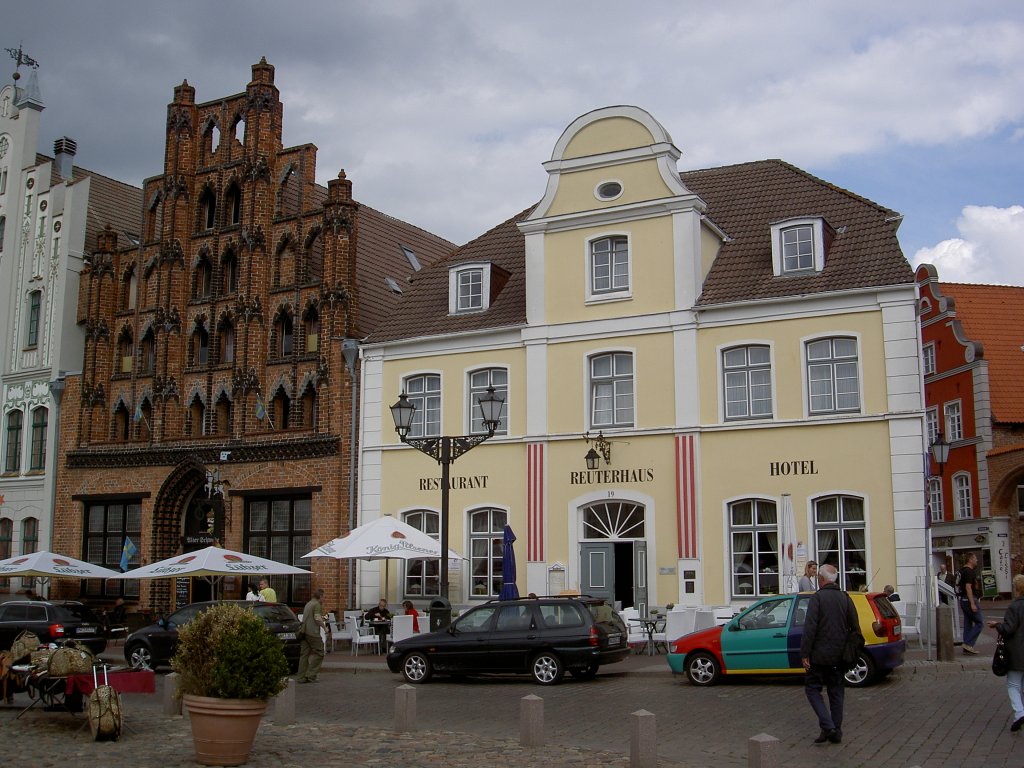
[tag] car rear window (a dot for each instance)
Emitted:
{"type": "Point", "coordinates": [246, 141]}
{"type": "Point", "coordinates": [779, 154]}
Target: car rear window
{"type": "Point", "coordinates": [59, 613]}
{"type": "Point", "coordinates": [561, 615]}
{"type": "Point", "coordinates": [885, 608]}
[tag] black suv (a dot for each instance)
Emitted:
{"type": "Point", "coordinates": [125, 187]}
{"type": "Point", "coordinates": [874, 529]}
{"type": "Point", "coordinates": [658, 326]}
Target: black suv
{"type": "Point", "coordinates": [51, 623]}
{"type": "Point", "coordinates": [153, 646]}
{"type": "Point", "coordinates": [542, 636]}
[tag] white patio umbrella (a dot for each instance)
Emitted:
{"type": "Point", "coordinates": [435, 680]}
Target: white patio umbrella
{"type": "Point", "coordinates": [212, 561]}
{"type": "Point", "coordinates": [42, 565]}
{"type": "Point", "coordinates": [383, 539]}
{"type": "Point", "coordinates": [788, 579]}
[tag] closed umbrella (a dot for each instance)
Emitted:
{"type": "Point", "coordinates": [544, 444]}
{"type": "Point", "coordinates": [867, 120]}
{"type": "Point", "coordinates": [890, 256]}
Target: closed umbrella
{"type": "Point", "coordinates": [509, 590]}
{"type": "Point", "coordinates": [788, 580]}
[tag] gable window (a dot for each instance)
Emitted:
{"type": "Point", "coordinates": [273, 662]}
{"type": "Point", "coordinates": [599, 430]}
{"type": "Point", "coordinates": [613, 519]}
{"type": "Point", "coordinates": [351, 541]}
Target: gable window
{"type": "Point", "coordinates": [197, 417]}
{"type": "Point", "coordinates": [747, 382]}
{"type": "Point", "coordinates": [798, 246]}
{"type": "Point", "coordinates": [611, 390]}
{"type": "Point", "coordinates": [285, 335]}
{"type": "Point", "coordinates": [3, 221]}
{"type": "Point", "coordinates": [6, 535]}
{"type": "Point", "coordinates": [200, 345]}
{"type": "Point", "coordinates": [486, 529]}
{"type": "Point", "coordinates": [840, 538]}
{"type": "Point", "coordinates": [833, 377]}
{"type": "Point", "coordinates": [37, 460]}
{"type": "Point", "coordinates": [233, 202]}
{"type": "Point", "coordinates": [229, 273]}
{"type": "Point", "coordinates": [129, 289]}
{"type": "Point", "coordinates": [425, 393]}
{"type": "Point", "coordinates": [203, 279]}
{"type": "Point", "coordinates": [422, 577]}
{"type": "Point", "coordinates": [754, 538]}
{"type": "Point", "coordinates": [29, 544]}
{"type": "Point", "coordinates": [479, 381]}
{"type": "Point", "coordinates": [226, 338]}
{"type": "Point", "coordinates": [207, 209]}
{"type": "Point", "coordinates": [928, 358]}
{"type": "Point", "coordinates": [469, 288]}
{"type": "Point", "coordinates": [148, 352]}
{"type": "Point", "coordinates": [962, 498]}
{"type": "Point", "coordinates": [954, 421]}
{"type": "Point", "coordinates": [222, 415]}
{"type": "Point", "coordinates": [935, 498]}
{"type": "Point", "coordinates": [14, 427]}
{"type": "Point", "coordinates": [34, 301]}
{"type": "Point", "coordinates": [609, 265]}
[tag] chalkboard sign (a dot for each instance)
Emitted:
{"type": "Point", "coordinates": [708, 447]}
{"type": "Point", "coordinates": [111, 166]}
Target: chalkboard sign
{"type": "Point", "coordinates": [182, 591]}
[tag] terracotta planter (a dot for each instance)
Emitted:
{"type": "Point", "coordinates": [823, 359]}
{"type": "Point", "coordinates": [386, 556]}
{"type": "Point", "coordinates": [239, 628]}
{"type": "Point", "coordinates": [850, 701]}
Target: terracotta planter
{"type": "Point", "coordinates": [223, 730]}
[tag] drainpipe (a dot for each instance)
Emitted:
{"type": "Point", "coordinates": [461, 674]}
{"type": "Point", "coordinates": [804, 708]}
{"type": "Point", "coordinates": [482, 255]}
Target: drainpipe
{"type": "Point", "coordinates": [350, 351]}
{"type": "Point", "coordinates": [57, 392]}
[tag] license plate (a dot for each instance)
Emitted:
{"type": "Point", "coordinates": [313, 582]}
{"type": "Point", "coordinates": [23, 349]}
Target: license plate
{"type": "Point", "coordinates": [897, 630]}
{"type": "Point", "coordinates": [287, 635]}
{"type": "Point", "coordinates": [86, 630]}
{"type": "Point", "coordinates": [614, 639]}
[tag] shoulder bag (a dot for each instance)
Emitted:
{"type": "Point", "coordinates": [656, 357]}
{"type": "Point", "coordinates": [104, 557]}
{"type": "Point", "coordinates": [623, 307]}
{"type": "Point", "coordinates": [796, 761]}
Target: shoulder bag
{"type": "Point", "coordinates": [1000, 659]}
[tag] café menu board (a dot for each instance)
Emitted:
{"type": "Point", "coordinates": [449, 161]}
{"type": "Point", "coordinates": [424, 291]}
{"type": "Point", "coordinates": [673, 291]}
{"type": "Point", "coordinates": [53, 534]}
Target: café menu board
{"type": "Point", "coordinates": [182, 591]}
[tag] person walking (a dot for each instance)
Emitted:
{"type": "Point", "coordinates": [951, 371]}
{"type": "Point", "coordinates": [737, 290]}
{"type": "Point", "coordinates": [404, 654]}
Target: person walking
{"type": "Point", "coordinates": [267, 593]}
{"type": "Point", "coordinates": [311, 643]}
{"type": "Point", "coordinates": [1011, 629]}
{"type": "Point", "coordinates": [831, 616]}
{"type": "Point", "coordinates": [970, 603]}
{"type": "Point", "coordinates": [809, 581]}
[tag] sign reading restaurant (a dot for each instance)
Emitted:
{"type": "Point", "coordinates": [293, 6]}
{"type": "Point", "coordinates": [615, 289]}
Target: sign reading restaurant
{"type": "Point", "coordinates": [454, 483]}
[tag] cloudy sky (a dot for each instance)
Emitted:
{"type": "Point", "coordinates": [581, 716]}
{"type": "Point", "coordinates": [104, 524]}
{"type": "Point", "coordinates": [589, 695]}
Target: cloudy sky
{"type": "Point", "coordinates": [442, 112]}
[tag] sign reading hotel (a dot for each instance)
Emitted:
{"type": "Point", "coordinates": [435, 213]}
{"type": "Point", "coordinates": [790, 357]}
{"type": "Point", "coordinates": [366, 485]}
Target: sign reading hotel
{"type": "Point", "coordinates": [789, 468]}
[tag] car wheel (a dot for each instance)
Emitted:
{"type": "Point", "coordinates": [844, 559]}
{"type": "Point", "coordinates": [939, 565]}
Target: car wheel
{"type": "Point", "coordinates": [861, 674]}
{"type": "Point", "coordinates": [547, 668]}
{"type": "Point", "coordinates": [703, 669]}
{"type": "Point", "coordinates": [139, 657]}
{"type": "Point", "coordinates": [416, 668]}
{"type": "Point", "coordinates": [589, 672]}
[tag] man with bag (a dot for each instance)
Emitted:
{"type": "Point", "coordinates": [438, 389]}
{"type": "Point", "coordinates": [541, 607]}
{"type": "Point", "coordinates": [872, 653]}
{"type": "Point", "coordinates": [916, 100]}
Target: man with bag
{"type": "Point", "coordinates": [831, 620]}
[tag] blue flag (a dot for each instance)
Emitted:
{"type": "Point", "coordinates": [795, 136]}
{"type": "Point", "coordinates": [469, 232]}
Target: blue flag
{"type": "Point", "coordinates": [127, 553]}
{"type": "Point", "coordinates": [137, 416]}
{"type": "Point", "coordinates": [261, 409]}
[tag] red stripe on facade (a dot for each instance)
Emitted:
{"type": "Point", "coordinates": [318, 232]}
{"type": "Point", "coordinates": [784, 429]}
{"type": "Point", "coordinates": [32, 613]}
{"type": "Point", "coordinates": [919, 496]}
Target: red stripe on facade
{"type": "Point", "coordinates": [686, 496]}
{"type": "Point", "coordinates": [535, 503]}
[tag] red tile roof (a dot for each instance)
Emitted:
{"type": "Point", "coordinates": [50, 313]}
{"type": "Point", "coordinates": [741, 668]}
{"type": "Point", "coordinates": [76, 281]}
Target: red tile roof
{"type": "Point", "coordinates": [990, 314]}
{"type": "Point", "coordinates": [744, 201]}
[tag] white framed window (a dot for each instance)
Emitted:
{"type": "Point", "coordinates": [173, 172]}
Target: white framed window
{"type": "Point", "coordinates": [608, 190]}
{"type": "Point", "coordinates": [928, 358]}
{"type": "Point", "coordinates": [954, 421]}
{"type": "Point", "coordinates": [935, 498]}
{"type": "Point", "coordinates": [747, 382]}
{"type": "Point", "coordinates": [469, 288]}
{"type": "Point", "coordinates": [425, 393]}
{"type": "Point", "coordinates": [611, 390]}
{"type": "Point", "coordinates": [833, 375]}
{"type": "Point", "coordinates": [962, 498]}
{"type": "Point", "coordinates": [479, 381]}
{"type": "Point", "coordinates": [486, 531]}
{"type": "Point", "coordinates": [840, 538]}
{"type": "Point", "coordinates": [609, 267]}
{"type": "Point", "coordinates": [798, 246]}
{"type": "Point", "coordinates": [931, 423]}
{"type": "Point", "coordinates": [12, 455]}
{"type": "Point", "coordinates": [754, 542]}
{"type": "Point", "coordinates": [422, 577]}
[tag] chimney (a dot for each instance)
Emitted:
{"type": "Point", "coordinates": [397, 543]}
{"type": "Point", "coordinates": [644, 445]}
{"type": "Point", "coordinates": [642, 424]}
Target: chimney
{"type": "Point", "coordinates": [64, 155]}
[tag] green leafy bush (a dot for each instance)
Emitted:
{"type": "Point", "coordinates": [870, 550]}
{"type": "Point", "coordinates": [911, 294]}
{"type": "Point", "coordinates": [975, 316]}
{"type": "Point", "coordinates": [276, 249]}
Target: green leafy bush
{"type": "Point", "coordinates": [227, 652]}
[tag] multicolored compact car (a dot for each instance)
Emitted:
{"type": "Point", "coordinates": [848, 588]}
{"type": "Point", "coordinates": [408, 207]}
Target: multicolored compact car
{"type": "Point", "coordinates": [765, 640]}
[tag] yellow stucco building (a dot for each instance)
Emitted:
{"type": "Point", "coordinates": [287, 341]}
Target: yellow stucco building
{"type": "Point", "coordinates": [738, 344]}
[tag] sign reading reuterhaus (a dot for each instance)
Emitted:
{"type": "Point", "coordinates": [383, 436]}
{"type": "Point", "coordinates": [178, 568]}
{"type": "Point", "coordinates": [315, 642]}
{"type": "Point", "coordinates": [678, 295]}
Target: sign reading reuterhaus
{"type": "Point", "coordinates": [617, 476]}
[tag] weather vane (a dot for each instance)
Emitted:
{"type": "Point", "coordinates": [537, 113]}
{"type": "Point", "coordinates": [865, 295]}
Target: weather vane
{"type": "Point", "coordinates": [21, 59]}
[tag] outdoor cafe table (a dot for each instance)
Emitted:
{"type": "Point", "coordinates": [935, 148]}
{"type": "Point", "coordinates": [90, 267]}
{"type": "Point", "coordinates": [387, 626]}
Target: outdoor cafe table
{"type": "Point", "coordinates": [650, 626]}
{"type": "Point", "coordinates": [381, 627]}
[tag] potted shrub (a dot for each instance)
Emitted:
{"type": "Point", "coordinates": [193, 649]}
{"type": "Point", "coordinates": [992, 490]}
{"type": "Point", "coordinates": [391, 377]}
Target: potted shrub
{"type": "Point", "coordinates": [229, 664]}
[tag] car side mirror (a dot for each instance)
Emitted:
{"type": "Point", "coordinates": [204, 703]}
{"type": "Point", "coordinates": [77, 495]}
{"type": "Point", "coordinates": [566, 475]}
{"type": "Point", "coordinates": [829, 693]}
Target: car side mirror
{"type": "Point", "coordinates": [735, 626]}
{"type": "Point", "coordinates": [161, 622]}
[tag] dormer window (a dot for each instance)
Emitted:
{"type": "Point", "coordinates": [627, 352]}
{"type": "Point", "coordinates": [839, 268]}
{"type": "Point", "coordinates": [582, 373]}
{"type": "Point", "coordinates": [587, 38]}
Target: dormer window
{"type": "Point", "coordinates": [469, 288]}
{"type": "Point", "coordinates": [798, 247]}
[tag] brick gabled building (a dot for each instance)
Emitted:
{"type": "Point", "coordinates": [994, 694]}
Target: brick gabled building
{"type": "Point", "coordinates": [215, 402]}
{"type": "Point", "coordinates": [973, 352]}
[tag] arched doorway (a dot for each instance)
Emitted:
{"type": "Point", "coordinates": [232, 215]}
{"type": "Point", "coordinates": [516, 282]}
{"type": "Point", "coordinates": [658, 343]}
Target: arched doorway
{"type": "Point", "coordinates": [613, 553]}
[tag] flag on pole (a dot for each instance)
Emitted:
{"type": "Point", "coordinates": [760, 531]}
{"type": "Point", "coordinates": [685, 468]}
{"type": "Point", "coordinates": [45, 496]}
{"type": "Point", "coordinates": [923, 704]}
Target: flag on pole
{"type": "Point", "coordinates": [261, 409]}
{"type": "Point", "coordinates": [137, 416]}
{"type": "Point", "coordinates": [127, 553]}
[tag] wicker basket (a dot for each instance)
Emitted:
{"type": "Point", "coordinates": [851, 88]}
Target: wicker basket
{"type": "Point", "coordinates": [72, 658]}
{"type": "Point", "coordinates": [23, 645]}
{"type": "Point", "coordinates": [104, 713]}
{"type": "Point", "coordinates": [41, 658]}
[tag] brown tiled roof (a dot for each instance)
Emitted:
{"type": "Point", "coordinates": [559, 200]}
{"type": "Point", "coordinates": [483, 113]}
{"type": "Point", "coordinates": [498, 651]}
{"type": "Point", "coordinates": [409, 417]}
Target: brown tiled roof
{"type": "Point", "coordinates": [110, 202]}
{"type": "Point", "coordinates": [991, 314]}
{"type": "Point", "coordinates": [424, 308]}
{"type": "Point", "coordinates": [379, 255]}
{"type": "Point", "coordinates": [744, 201]}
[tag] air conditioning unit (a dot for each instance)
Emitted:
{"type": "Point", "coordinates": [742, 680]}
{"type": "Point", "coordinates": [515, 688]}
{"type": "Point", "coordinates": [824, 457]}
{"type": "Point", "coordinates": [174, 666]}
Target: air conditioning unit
{"type": "Point", "coordinates": [313, 342]}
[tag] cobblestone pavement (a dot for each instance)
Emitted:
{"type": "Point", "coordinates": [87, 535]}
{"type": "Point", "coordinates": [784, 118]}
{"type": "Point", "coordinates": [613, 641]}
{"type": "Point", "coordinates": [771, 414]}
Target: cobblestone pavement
{"type": "Point", "coordinates": [926, 714]}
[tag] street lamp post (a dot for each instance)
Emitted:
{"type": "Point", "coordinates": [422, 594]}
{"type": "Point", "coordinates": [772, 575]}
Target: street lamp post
{"type": "Point", "coordinates": [445, 450]}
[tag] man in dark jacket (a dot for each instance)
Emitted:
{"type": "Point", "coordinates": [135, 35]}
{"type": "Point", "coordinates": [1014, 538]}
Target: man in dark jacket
{"type": "Point", "coordinates": [830, 617]}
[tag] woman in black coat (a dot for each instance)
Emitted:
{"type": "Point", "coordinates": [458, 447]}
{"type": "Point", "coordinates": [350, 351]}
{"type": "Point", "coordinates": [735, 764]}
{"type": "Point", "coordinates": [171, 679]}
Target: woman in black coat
{"type": "Point", "coordinates": [1011, 629]}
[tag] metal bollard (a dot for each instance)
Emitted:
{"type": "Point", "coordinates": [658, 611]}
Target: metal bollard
{"type": "Point", "coordinates": [284, 705]}
{"type": "Point", "coordinates": [405, 708]}
{"type": "Point", "coordinates": [531, 721]}
{"type": "Point", "coordinates": [643, 742]}
{"type": "Point", "coordinates": [171, 702]}
{"type": "Point", "coordinates": [763, 751]}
